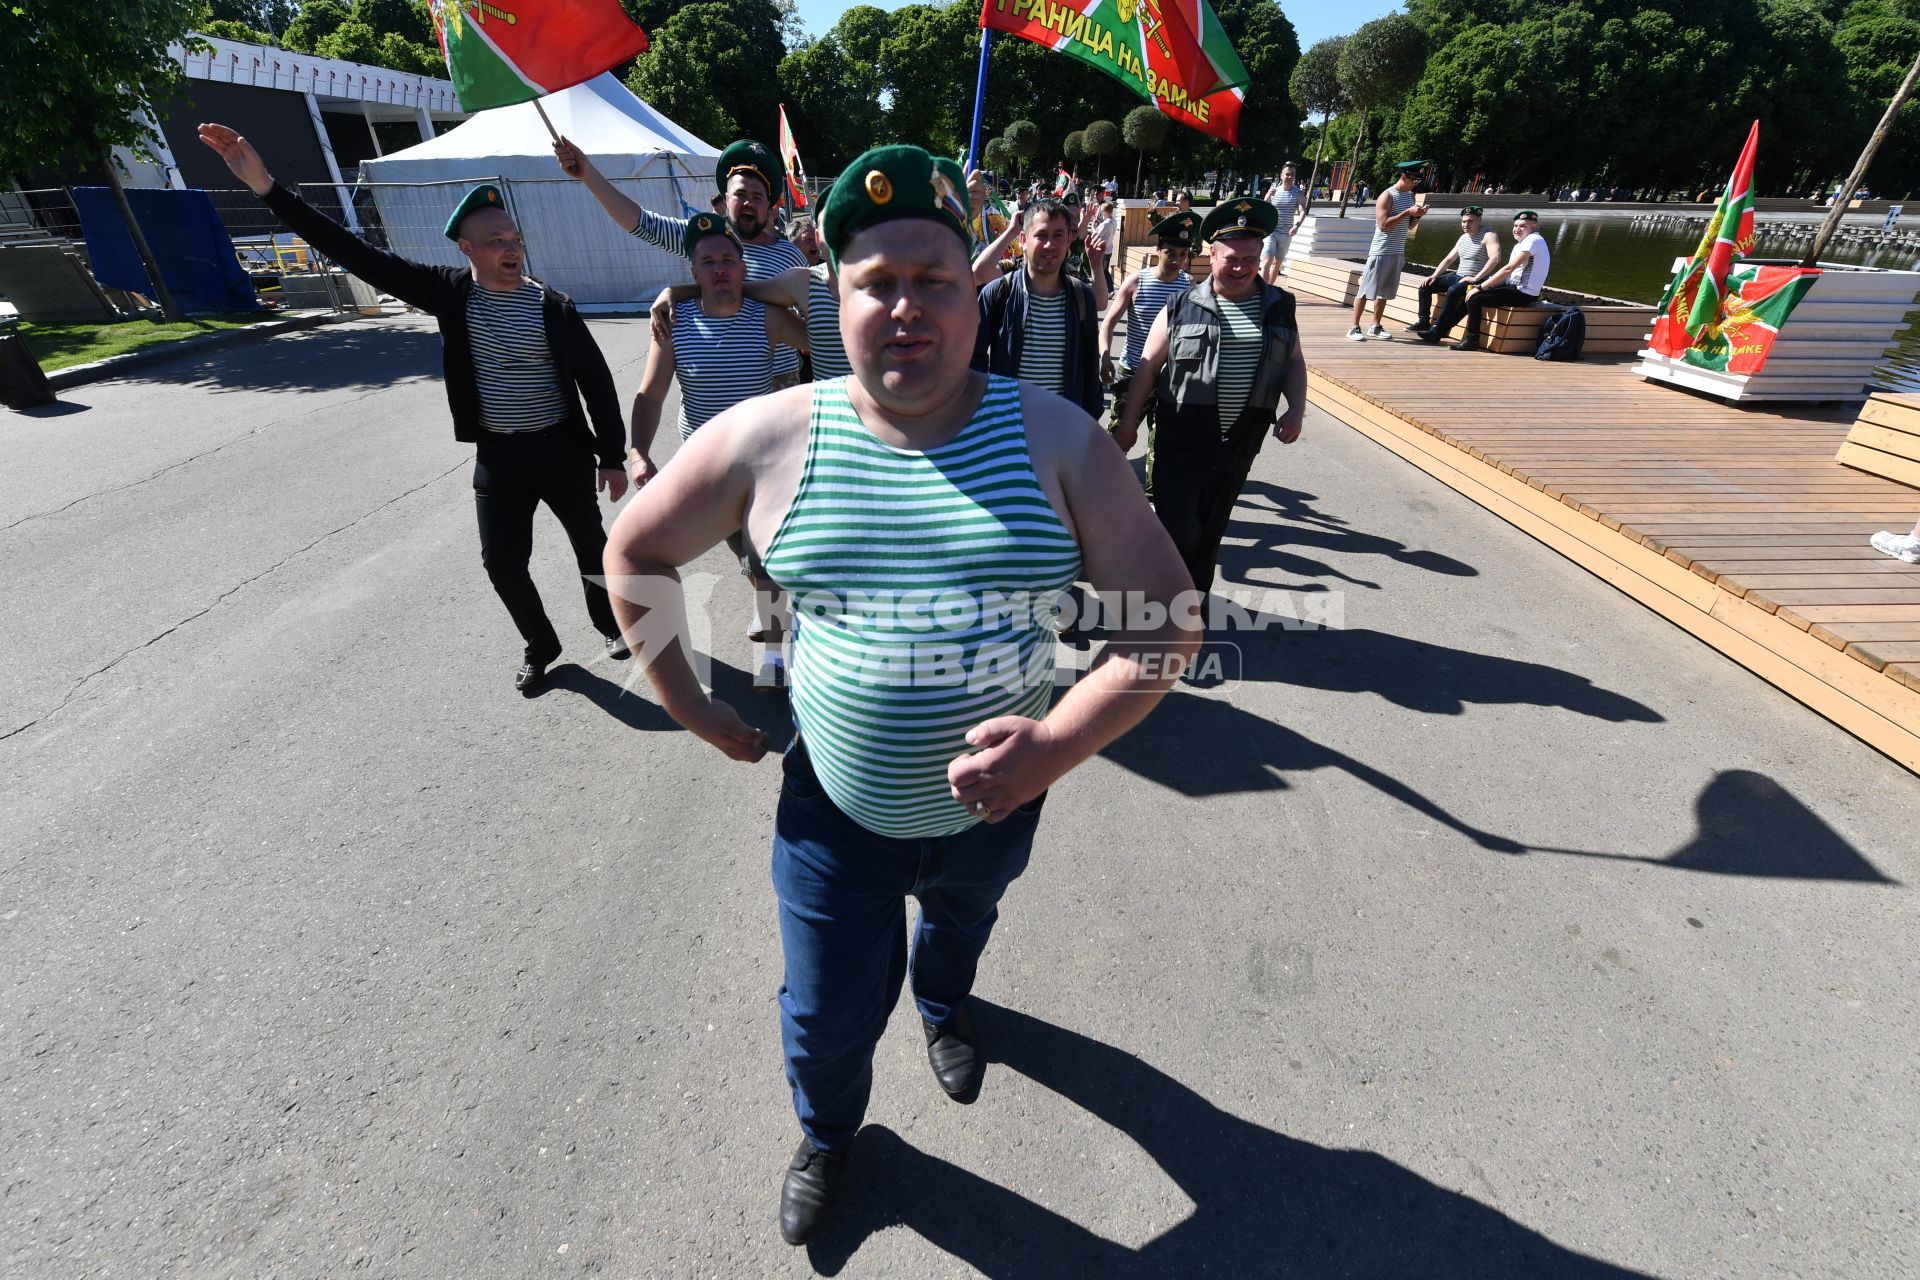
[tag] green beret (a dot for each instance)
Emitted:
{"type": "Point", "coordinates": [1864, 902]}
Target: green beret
{"type": "Point", "coordinates": [484, 196]}
{"type": "Point", "coordinates": [755, 158]}
{"type": "Point", "coordinates": [894, 182]}
{"type": "Point", "coordinates": [702, 225]}
{"type": "Point", "coordinates": [1241, 217]}
{"type": "Point", "coordinates": [1526, 213]}
{"type": "Point", "coordinates": [1181, 228]}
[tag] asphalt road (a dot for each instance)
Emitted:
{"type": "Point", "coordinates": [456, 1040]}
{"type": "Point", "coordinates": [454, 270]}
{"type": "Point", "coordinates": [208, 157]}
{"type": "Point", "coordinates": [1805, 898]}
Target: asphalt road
{"type": "Point", "coordinates": [1505, 931]}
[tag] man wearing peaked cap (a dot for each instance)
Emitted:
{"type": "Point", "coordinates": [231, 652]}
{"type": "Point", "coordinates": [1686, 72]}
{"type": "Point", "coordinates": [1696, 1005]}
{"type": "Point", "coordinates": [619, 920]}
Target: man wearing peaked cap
{"type": "Point", "coordinates": [912, 478]}
{"type": "Point", "coordinates": [519, 362]}
{"type": "Point", "coordinates": [1239, 356]}
{"type": "Point", "coordinates": [1393, 213]}
{"type": "Point", "coordinates": [1140, 300]}
{"type": "Point", "coordinates": [750, 179]}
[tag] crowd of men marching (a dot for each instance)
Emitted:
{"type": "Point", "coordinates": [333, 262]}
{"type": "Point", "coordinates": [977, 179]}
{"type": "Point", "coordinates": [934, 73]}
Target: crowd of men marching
{"type": "Point", "coordinates": [900, 405]}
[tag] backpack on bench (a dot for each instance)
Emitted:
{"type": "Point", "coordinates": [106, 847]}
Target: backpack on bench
{"type": "Point", "coordinates": [1562, 336]}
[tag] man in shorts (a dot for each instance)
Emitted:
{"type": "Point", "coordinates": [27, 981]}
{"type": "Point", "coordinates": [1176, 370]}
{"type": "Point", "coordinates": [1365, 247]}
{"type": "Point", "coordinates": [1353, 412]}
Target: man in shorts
{"type": "Point", "coordinates": [1393, 213]}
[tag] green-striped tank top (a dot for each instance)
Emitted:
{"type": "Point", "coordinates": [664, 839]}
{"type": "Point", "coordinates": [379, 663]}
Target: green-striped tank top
{"type": "Point", "coordinates": [920, 585]}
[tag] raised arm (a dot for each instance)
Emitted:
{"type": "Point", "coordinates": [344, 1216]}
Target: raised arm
{"type": "Point", "coordinates": [986, 263]}
{"type": "Point", "coordinates": [656, 229]}
{"type": "Point", "coordinates": [785, 329]}
{"type": "Point", "coordinates": [412, 282]}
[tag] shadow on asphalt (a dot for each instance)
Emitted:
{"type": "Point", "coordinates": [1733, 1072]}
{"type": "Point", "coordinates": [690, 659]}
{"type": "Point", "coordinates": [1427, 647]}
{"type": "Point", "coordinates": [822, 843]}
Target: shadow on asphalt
{"type": "Point", "coordinates": [1263, 1203]}
{"type": "Point", "coordinates": [1285, 547]}
{"type": "Point", "coordinates": [353, 356]}
{"type": "Point", "coordinates": [638, 711]}
{"type": "Point", "coordinates": [1747, 824]}
{"type": "Point", "coordinates": [58, 409]}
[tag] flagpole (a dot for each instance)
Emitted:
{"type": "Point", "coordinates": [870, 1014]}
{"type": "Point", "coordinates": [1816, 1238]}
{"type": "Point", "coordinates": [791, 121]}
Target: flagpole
{"type": "Point", "coordinates": [543, 120]}
{"type": "Point", "coordinates": [979, 100]}
{"type": "Point", "coordinates": [1844, 198]}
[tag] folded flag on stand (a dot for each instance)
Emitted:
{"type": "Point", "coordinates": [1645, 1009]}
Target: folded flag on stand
{"type": "Point", "coordinates": [507, 51]}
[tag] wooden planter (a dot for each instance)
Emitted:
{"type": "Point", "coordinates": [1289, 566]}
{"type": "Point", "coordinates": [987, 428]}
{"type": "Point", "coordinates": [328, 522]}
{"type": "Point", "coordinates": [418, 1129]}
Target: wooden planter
{"type": "Point", "coordinates": [1884, 440]}
{"type": "Point", "coordinates": [1831, 344]}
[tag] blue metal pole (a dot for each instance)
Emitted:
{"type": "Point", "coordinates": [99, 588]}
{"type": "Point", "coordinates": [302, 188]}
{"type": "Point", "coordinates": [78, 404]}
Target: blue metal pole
{"type": "Point", "coordinates": [979, 100]}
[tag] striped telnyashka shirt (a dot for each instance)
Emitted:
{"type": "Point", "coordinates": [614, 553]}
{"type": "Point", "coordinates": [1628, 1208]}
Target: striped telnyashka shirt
{"type": "Point", "coordinates": [1240, 342]}
{"type": "Point", "coordinates": [764, 262]}
{"type": "Point", "coordinates": [1150, 298]}
{"type": "Point", "coordinates": [719, 360]}
{"type": "Point", "coordinates": [1393, 240]}
{"type": "Point", "coordinates": [512, 365]}
{"type": "Point", "coordinates": [1043, 352]}
{"type": "Point", "coordinates": [919, 584]}
{"type": "Point", "coordinates": [828, 353]}
{"type": "Point", "coordinates": [1473, 254]}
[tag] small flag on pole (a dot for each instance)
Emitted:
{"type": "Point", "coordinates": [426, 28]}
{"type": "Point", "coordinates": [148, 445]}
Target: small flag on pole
{"type": "Point", "coordinates": [501, 52]}
{"type": "Point", "coordinates": [790, 155]}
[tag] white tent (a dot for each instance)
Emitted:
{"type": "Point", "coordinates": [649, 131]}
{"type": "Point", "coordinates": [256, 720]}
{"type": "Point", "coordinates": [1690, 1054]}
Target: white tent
{"type": "Point", "coordinates": [571, 243]}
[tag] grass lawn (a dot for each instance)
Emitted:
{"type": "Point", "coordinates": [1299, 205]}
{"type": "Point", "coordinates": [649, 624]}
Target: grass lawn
{"type": "Point", "coordinates": [60, 345]}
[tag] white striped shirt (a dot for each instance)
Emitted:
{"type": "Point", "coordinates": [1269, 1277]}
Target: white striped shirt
{"type": "Point", "coordinates": [719, 360]}
{"type": "Point", "coordinates": [1043, 350]}
{"type": "Point", "coordinates": [512, 365]}
{"type": "Point", "coordinates": [764, 262]}
{"type": "Point", "coordinates": [1240, 341]}
{"type": "Point", "coordinates": [1150, 298]}
{"type": "Point", "coordinates": [828, 352]}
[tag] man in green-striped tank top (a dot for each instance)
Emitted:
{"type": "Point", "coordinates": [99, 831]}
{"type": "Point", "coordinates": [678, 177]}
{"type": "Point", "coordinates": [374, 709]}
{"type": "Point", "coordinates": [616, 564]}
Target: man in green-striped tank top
{"type": "Point", "coordinates": [923, 517]}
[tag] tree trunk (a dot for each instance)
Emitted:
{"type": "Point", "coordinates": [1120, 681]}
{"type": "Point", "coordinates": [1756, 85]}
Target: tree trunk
{"type": "Point", "coordinates": [1136, 173]}
{"type": "Point", "coordinates": [1841, 201]}
{"type": "Point", "coordinates": [1313, 175]}
{"type": "Point", "coordinates": [159, 282]}
{"type": "Point", "coordinates": [1353, 167]}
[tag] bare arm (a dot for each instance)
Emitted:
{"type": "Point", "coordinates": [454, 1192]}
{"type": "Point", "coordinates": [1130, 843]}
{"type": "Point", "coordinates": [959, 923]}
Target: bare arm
{"type": "Point", "coordinates": [1491, 243]}
{"type": "Point", "coordinates": [786, 290]}
{"type": "Point", "coordinates": [1520, 259]}
{"type": "Point", "coordinates": [647, 404]}
{"type": "Point", "coordinates": [785, 329]}
{"type": "Point", "coordinates": [1127, 555]}
{"type": "Point", "coordinates": [1153, 358]}
{"type": "Point", "coordinates": [1286, 428]}
{"type": "Point", "coordinates": [621, 208]}
{"type": "Point", "coordinates": [1122, 299]}
{"type": "Point", "coordinates": [1383, 215]}
{"type": "Point", "coordinates": [986, 265]}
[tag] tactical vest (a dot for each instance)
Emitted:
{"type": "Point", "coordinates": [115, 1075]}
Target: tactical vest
{"type": "Point", "coordinates": [1189, 430]}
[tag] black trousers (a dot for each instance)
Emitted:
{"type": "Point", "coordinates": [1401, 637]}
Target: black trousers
{"type": "Point", "coordinates": [1195, 505]}
{"type": "Point", "coordinates": [1448, 283]}
{"type": "Point", "coordinates": [1501, 295]}
{"type": "Point", "coordinates": [513, 473]}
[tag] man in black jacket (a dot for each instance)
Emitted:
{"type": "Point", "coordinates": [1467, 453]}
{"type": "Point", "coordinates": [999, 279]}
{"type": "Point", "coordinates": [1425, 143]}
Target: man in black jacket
{"type": "Point", "coordinates": [1040, 323]}
{"type": "Point", "coordinates": [517, 359]}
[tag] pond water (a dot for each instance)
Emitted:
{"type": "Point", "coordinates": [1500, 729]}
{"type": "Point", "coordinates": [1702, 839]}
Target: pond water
{"type": "Point", "coordinates": [1612, 255]}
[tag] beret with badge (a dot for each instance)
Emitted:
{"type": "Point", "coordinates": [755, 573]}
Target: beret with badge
{"type": "Point", "coordinates": [702, 225]}
{"type": "Point", "coordinates": [748, 156]}
{"type": "Point", "coordinates": [484, 196]}
{"type": "Point", "coordinates": [894, 182]}
{"type": "Point", "coordinates": [1243, 216]}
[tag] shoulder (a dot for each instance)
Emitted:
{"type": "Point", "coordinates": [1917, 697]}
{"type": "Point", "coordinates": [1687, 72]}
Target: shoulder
{"type": "Point", "coordinates": [758, 430]}
{"type": "Point", "coordinates": [1058, 430]}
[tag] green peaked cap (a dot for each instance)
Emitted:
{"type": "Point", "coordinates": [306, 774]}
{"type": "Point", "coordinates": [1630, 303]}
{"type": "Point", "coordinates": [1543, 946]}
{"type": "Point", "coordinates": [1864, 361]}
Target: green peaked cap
{"type": "Point", "coordinates": [894, 182]}
{"type": "Point", "coordinates": [1241, 216]}
{"type": "Point", "coordinates": [1181, 228]}
{"type": "Point", "coordinates": [755, 158]}
{"type": "Point", "coordinates": [484, 196]}
{"type": "Point", "coordinates": [702, 225]}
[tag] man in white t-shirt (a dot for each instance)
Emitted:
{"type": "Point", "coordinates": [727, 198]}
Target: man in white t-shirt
{"type": "Point", "coordinates": [1518, 284]}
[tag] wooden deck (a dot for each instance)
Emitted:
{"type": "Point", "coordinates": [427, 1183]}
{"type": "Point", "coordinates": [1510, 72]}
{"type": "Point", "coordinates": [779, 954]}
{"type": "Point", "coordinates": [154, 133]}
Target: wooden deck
{"type": "Point", "coordinates": [1736, 523]}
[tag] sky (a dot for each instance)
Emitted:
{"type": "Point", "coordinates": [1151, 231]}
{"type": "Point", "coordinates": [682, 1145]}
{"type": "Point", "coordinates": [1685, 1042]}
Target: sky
{"type": "Point", "coordinates": [1313, 19]}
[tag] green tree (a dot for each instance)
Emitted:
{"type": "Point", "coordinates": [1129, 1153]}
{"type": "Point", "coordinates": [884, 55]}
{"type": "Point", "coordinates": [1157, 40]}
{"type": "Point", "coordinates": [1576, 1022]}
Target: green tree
{"type": "Point", "coordinates": [1379, 64]}
{"type": "Point", "coordinates": [1074, 148]}
{"type": "Point", "coordinates": [1316, 90]}
{"type": "Point", "coordinates": [317, 20]}
{"type": "Point", "coordinates": [76, 86]}
{"type": "Point", "coordinates": [266, 16]}
{"type": "Point", "coordinates": [1144, 129]}
{"type": "Point", "coordinates": [351, 41]}
{"type": "Point", "coordinates": [1023, 139]}
{"type": "Point", "coordinates": [232, 29]}
{"type": "Point", "coordinates": [1100, 140]}
{"type": "Point", "coordinates": [997, 156]}
{"type": "Point", "coordinates": [833, 100]}
{"type": "Point", "coordinates": [1269, 116]}
{"type": "Point", "coordinates": [930, 91]}
{"type": "Point", "coordinates": [697, 44]}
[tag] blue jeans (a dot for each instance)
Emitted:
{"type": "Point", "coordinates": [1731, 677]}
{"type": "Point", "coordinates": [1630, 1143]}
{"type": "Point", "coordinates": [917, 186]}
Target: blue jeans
{"type": "Point", "coordinates": [1449, 283]}
{"type": "Point", "coordinates": [843, 930]}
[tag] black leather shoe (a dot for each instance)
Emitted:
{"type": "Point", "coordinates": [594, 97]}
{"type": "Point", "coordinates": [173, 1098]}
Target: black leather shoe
{"type": "Point", "coordinates": [956, 1063]}
{"type": "Point", "coordinates": [617, 649]}
{"type": "Point", "coordinates": [532, 675]}
{"type": "Point", "coordinates": [1465, 344]}
{"type": "Point", "coordinates": [1430, 336]}
{"type": "Point", "coordinates": [812, 1183]}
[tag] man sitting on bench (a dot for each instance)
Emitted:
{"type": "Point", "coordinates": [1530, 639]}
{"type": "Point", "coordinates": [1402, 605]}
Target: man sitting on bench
{"type": "Point", "coordinates": [1518, 284]}
{"type": "Point", "coordinates": [1475, 255]}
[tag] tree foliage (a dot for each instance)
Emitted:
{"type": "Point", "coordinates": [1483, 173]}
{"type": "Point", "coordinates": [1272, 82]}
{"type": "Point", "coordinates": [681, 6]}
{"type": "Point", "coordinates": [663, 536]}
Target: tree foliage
{"type": "Point", "coordinates": [1145, 128]}
{"type": "Point", "coordinates": [1316, 78]}
{"type": "Point", "coordinates": [1101, 138]}
{"type": "Point", "coordinates": [75, 82]}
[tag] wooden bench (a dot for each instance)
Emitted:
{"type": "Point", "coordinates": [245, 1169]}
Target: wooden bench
{"type": "Point", "coordinates": [1613, 328]}
{"type": "Point", "coordinates": [1884, 440]}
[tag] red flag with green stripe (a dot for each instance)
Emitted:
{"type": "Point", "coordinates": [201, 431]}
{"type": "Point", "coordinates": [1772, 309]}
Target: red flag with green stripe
{"type": "Point", "coordinates": [1729, 237]}
{"type": "Point", "coordinates": [500, 52]}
